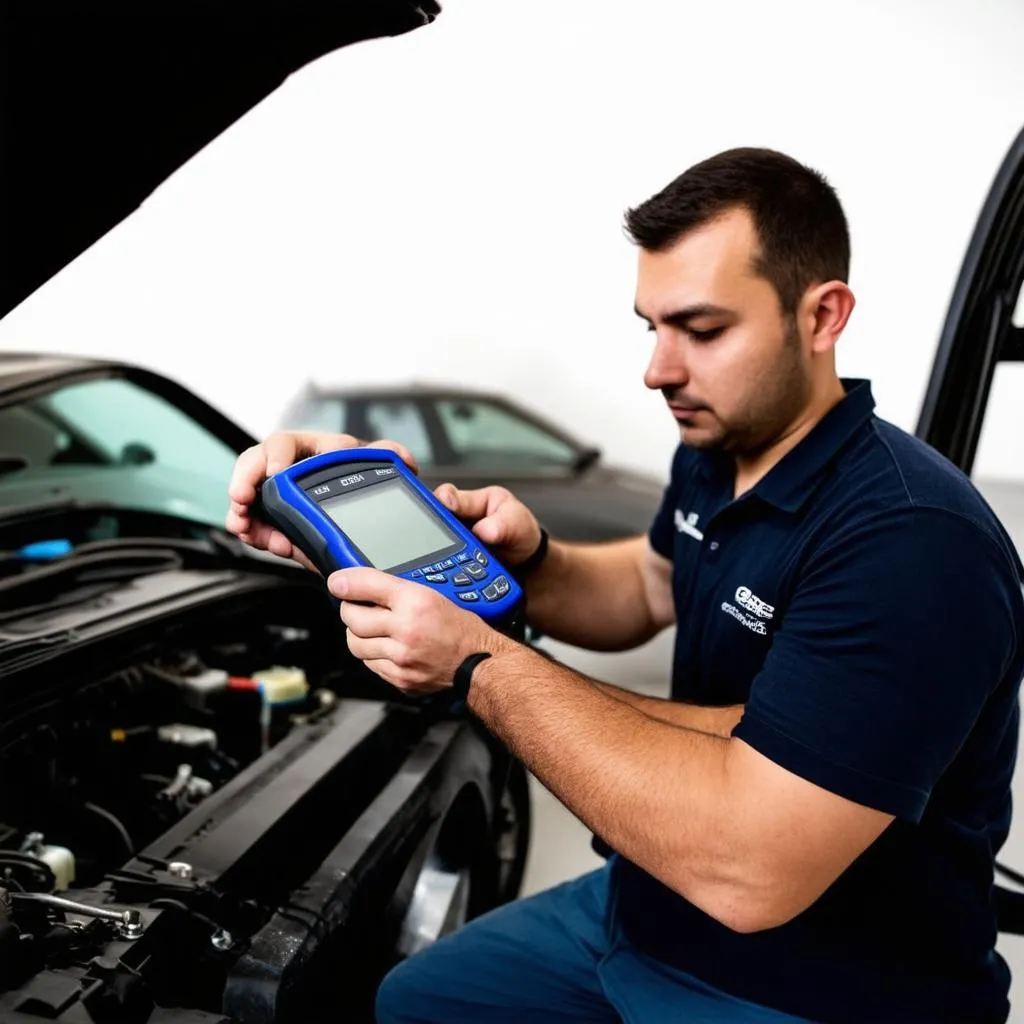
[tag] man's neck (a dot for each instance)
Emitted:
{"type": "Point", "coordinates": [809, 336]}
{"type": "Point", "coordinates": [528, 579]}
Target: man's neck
{"type": "Point", "coordinates": [750, 469]}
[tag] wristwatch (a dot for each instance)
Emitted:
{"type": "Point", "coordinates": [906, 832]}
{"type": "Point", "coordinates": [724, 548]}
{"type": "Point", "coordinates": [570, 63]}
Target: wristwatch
{"type": "Point", "coordinates": [464, 673]}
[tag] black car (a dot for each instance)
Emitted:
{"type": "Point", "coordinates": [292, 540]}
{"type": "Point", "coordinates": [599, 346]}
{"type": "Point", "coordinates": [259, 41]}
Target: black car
{"type": "Point", "coordinates": [209, 812]}
{"type": "Point", "coordinates": [184, 741]}
{"type": "Point", "coordinates": [476, 438]}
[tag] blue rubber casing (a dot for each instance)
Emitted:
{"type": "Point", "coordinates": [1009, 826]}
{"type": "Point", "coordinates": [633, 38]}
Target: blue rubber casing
{"type": "Point", "coordinates": [291, 502]}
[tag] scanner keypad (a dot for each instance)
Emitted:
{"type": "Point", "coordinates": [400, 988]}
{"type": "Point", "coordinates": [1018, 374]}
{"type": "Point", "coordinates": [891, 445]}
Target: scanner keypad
{"type": "Point", "coordinates": [469, 571]}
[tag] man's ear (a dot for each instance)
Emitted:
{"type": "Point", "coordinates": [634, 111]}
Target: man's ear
{"type": "Point", "coordinates": [825, 311]}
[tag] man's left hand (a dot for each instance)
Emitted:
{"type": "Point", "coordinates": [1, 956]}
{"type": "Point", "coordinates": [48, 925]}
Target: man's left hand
{"type": "Point", "coordinates": [414, 638]}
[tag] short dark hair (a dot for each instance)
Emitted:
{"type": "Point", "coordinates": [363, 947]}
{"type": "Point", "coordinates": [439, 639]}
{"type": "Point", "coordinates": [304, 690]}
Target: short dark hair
{"type": "Point", "coordinates": [800, 222]}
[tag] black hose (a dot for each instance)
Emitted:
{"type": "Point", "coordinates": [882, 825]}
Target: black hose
{"type": "Point", "coordinates": [115, 822]}
{"type": "Point", "coordinates": [165, 903]}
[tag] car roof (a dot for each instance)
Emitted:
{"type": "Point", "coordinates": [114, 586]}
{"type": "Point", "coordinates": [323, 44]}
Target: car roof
{"type": "Point", "coordinates": [103, 101]}
{"type": "Point", "coordinates": [18, 369]}
{"type": "Point", "coordinates": [413, 389]}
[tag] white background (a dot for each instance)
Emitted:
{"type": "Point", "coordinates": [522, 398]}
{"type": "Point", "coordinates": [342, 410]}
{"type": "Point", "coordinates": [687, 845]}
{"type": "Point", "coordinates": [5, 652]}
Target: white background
{"type": "Point", "coordinates": [447, 205]}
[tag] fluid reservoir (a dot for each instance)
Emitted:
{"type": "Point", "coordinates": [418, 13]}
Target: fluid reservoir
{"type": "Point", "coordinates": [282, 684]}
{"type": "Point", "coordinates": [59, 859]}
{"type": "Point", "coordinates": [281, 688]}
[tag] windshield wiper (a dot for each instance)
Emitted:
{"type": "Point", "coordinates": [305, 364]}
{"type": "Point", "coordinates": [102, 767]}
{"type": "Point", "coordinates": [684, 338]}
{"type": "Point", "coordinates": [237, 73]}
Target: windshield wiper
{"type": "Point", "coordinates": [12, 463]}
{"type": "Point", "coordinates": [12, 514]}
{"type": "Point", "coordinates": [92, 567]}
{"type": "Point", "coordinates": [109, 561]}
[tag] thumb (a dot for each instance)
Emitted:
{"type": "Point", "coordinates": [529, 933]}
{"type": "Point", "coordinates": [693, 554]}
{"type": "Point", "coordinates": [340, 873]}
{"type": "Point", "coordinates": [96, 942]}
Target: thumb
{"type": "Point", "coordinates": [448, 495]}
{"type": "Point", "coordinates": [491, 531]}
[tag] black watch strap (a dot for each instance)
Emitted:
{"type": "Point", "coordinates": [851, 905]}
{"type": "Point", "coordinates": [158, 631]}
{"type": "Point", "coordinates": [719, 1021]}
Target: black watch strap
{"type": "Point", "coordinates": [523, 569]}
{"type": "Point", "coordinates": [464, 673]}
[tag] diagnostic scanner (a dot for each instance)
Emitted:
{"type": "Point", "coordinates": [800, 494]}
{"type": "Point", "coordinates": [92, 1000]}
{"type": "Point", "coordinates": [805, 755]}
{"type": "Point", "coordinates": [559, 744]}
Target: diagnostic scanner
{"type": "Point", "coordinates": [365, 507]}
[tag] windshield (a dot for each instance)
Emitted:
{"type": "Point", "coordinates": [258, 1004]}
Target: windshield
{"type": "Point", "coordinates": [115, 442]}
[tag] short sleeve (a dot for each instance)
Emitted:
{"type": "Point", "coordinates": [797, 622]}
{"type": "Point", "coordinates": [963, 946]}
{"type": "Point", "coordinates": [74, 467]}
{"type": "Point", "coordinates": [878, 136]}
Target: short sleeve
{"type": "Point", "coordinates": [662, 532]}
{"type": "Point", "coordinates": [897, 634]}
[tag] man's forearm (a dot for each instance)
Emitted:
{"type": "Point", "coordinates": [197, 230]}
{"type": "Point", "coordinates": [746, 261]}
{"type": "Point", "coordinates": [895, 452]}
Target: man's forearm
{"type": "Point", "coordinates": [592, 595]}
{"type": "Point", "coordinates": [657, 793]}
{"type": "Point", "coordinates": [716, 721]}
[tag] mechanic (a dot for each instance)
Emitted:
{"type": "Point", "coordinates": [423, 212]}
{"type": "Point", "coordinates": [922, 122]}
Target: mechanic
{"type": "Point", "coordinates": [806, 830]}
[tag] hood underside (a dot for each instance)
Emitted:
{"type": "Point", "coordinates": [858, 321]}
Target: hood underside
{"type": "Point", "coordinates": [101, 101]}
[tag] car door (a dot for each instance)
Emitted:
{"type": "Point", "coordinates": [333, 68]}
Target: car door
{"type": "Point", "coordinates": [973, 412]}
{"type": "Point", "coordinates": [983, 335]}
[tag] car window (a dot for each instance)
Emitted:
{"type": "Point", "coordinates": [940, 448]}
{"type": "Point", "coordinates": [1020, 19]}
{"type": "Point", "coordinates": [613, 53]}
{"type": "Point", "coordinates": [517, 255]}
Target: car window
{"type": "Point", "coordinates": [400, 420]}
{"type": "Point", "coordinates": [484, 434]}
{"type": "Point", "coordinates": [127, 422]}
{"type": "Point", "coordinates": [999, 463]}
{"type": "Point", "coordinates": [319, 413]}
{"type": "Point", "coordinates": [112, 441]}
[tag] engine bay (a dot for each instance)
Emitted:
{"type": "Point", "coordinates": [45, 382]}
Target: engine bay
{"type": "Point", "coordinates": [174, 805]}
{"type": "Point", "coordinates": [99, 773]}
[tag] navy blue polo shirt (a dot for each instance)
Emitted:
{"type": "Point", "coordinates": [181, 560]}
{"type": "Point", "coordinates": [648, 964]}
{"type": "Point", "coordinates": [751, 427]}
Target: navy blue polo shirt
{"type": "Point", "coordinates": [865, 605]}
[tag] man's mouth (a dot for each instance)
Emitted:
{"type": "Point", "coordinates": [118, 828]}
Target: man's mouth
{"type": "Point", "coordinates": [685, 410]}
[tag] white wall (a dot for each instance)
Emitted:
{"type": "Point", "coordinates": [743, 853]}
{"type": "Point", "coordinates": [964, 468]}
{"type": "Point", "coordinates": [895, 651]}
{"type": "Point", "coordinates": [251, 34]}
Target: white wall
{"type": "Point", "coordinates": [447, 205]}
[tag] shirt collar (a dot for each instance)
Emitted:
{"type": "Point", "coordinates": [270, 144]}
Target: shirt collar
{"type": "Point", "coordinates": [789, 483]}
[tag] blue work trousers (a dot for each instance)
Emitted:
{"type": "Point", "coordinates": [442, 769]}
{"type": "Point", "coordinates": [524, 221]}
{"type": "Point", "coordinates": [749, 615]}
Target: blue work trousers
{"type": "Point", "coordinates": [549, 959]}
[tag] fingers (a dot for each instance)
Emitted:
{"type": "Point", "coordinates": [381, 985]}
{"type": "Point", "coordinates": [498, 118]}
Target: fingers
{"type": "Point", "coordinates": [377, 648]}
{"type": "Point", "coordinates": [470, 505]}
{"type": "Point", "coordinates": [493, 513]}
{"type": "Point", "coordinates": [365, 621]}
{"type": "Point", "coordinates": [369, 585]}
{"type": "Point", "coordinates": [237, 521]}
{"type": "Point", "coordinates": [280, 450]}
{"type": "Point", "coordinates": [250, 470]}
{"type": "Point", "coordinates": [283, 448]}
{"type": "Point", "coordinates": [276, 543]}
{"type": "Point", "coordinates": [303, 560]}
{"type": "Point", "coordinates": [400, 450]}
{"type": "Point", "coordinates": [495, 531]}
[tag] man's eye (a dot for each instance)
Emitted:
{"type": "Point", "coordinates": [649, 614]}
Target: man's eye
{"type": "Point", "coordinates": [708, 335]}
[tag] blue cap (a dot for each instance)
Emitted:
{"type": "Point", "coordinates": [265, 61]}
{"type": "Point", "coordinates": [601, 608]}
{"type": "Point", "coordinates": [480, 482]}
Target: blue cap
{"type": "Point", "coordinates": [44, 550]}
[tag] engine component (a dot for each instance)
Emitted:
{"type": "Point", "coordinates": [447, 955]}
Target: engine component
{"type": "Point", "coordinates": [22, 871]}
{"type": "Point", "coordinates": [59, 859]}
{"type": "Point", "coordinates": [200, 686]}
{"type": "Point", "coordinates": [129, 922]}
{"type": "Point", "coordinates": [186, 789]}
{"type": "Point", "coordinates": [192, 736]}
{"type": "Point", "coordinates": [282, 685]}
{"type": "Point", "coordinates": [196, 682]}
{"type": "Point", "coordinates": [278, 687]}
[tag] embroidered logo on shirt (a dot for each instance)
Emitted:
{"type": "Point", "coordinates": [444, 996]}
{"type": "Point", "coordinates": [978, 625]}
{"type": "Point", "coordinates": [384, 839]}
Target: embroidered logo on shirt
{"type": "Point", "coordinates": [754, 625]}
{"type": "Point", "coordinates": [688, 524]}
{"type": "Point", "coordinates": [753, 603]}
{"type": "Point", "coordinates": [755, 613]}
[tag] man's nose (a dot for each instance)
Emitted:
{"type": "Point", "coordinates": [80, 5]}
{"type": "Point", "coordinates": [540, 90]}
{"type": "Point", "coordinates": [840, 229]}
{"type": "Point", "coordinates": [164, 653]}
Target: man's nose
{"type": "Point", "coordinates": [667, 367]}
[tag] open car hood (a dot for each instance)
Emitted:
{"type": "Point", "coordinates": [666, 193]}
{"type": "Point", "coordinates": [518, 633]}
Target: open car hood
{"type": "Point", "coordinates": [979, 331]}
{"type": "Point", "coordinates": [101, 101]}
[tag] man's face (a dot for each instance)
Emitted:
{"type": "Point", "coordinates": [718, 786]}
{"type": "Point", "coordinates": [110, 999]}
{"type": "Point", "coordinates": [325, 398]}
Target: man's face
{"type": "Point", "coordinates": [730, 365]}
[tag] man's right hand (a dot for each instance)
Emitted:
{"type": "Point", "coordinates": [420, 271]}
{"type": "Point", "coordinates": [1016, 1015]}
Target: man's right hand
{"type": "Point", "coordinates": [280, 450]}
{"type": "Point", "coordinates": [498, 518]}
